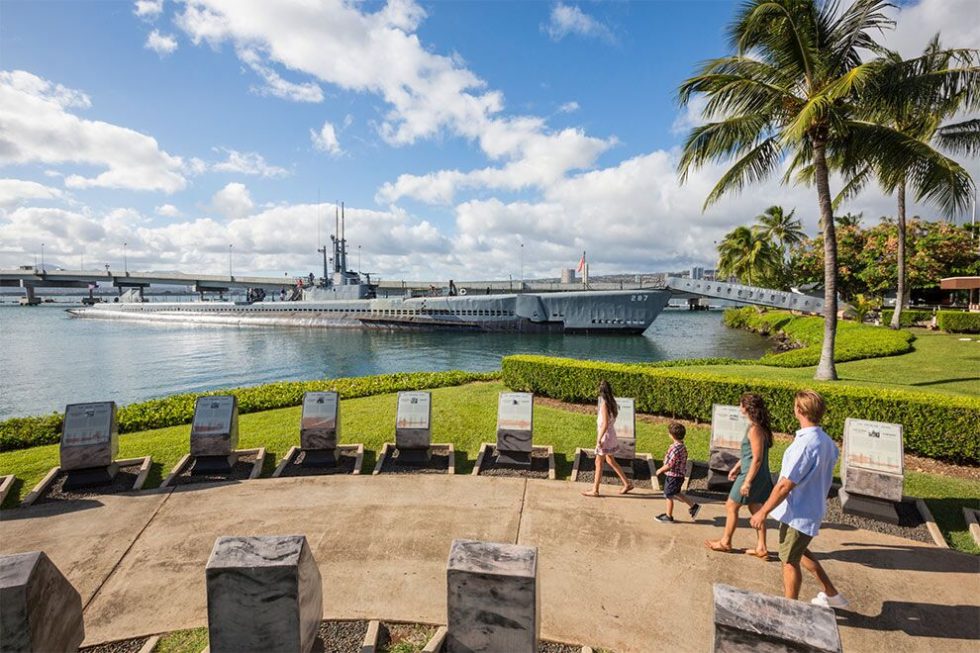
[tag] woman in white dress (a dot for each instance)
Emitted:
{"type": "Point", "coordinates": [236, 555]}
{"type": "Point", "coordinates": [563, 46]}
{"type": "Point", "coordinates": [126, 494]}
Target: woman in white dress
{"type": "Point", "coordinates": [606, 441]}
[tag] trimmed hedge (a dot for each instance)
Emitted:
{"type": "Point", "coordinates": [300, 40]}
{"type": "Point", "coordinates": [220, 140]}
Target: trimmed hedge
{"type": "Point", "coordinates": [936, 426]}
{"type": "Point", "coordinates": [23, 432]}
{"type": "Point", "coordinates": [958, 322]}
{"type": "Point", "coordinates": [910, 317]}
{"type": "Point", "coordinates": [854, 341]}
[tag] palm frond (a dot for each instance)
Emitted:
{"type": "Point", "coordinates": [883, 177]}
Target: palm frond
{"type": "Point", "coordinates": [717, 141]}
{"type": "Point", "coordinates": [757, 164]}
{"type": "Point", "coordinates": [960, 138]}
{"type": "Point", "coordinates": [853, 186]}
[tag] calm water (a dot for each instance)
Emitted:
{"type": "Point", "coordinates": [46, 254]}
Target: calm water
{"type": "Point", "coordinates": [48, 359]}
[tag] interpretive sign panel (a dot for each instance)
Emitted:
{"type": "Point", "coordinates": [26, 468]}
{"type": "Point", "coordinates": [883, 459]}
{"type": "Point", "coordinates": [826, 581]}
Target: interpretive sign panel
{"type": "Point", "coordinates": [320, 422]}
{"type": "Point", "coordinates": [214, 431]}
{"type": "Point", "coordinates": [728, 427]}
{"type": "Point", "coordinates": [412, 424]}
{"type": "Point", "coordinates": [89, 436]}
{"type": "Point", "coordinates": [515, 421]}
{"type": "Point", "coordinates": [874, 446]}
{"type": "Point", "coordinates": [626, 428]}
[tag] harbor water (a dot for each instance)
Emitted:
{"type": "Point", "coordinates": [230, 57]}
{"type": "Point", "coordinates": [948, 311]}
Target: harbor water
{"type": "Point", "coordinates": [48, 359]}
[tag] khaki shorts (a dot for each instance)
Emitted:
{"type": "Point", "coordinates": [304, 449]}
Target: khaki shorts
{"type": "Point", "coordinates": [792, 544]}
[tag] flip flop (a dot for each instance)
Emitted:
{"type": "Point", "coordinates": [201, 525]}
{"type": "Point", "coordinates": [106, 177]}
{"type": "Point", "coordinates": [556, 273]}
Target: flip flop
{"type": "Point", "coordinates": [717, 546]}
{"type": "Point", "coordinates": [626, 489]}
{"type": "Point", "coordinates": [757, 554]}
{"type": "Point", "coordinates": [590, 494]}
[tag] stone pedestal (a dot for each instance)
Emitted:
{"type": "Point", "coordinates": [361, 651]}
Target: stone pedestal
{"type": "Point", "coordinates": [39, 609]}
{"type": "Point", "coordinates": [413, 432]}
{"type": "Point", "coordinates": [492, 598]}
{"type": "Point", "coordinates": [89, 444]}
{"type": "Point", "coordinates": [515, 426]}
{"type": "Point", "coordinates": [214, 435]}
{"type": "Point", "coordinates": [748, 622]}
{"type": "Point", "coordinates": [720, 463]}
{"type": "Point", "coordinates": [870, 507]}
{"type": "Point", "coordinates": [626, 434]}
{"type": "Point", "coordinates": [872, 469]}
{"type": "Point", "coordinates": [264, 594]}
{"type": "Point", "coordinates": [320, 429]}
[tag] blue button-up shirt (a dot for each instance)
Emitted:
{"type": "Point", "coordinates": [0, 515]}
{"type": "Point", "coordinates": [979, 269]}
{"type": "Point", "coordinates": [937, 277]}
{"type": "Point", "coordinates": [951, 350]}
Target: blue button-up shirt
{"type": "Point", "coordinates": [809, 464]}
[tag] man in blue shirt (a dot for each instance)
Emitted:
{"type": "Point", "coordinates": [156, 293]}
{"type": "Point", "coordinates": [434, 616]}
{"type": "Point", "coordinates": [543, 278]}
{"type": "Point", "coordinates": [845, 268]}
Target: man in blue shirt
{"type": "Point", "coordinates": [799, 500]}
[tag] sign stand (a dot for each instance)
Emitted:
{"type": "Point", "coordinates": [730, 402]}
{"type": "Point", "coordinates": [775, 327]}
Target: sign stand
{"type": "Point", "coordinates": [515, 423]}
{"type": "Point", "coordinates": [89, 444]}
{"type": "Point", "coordinates": [728, 427]}
{"type": "Point", "coordinates": [626, 434]}
{"type": "Point", "coordinates": [413, 428]}
{"type": "Point", "coordinates": [214, 435]}
{"type": "Point", "coordinates": [872, 470]}
{"type": "Point", "coordinates": [320, 429]}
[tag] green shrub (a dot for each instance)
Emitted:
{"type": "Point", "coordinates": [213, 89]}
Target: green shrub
{"type": "Point", "coordinates": [958, 322]}
{"type": "Point", "coordinates": [854, 341]}
{"type": "Point", "coordinates": [937, 426]}
{"type": "Point", "coordinates": [23, 432]}
{"type": "Point", "coordinates": [910, 317]}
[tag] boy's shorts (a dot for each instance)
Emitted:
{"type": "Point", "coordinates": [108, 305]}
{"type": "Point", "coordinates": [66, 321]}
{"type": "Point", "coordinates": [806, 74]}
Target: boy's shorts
{"type": "Point", "coordinates": [673, 485]}
{"type": "Point", "coordinates": [792, 544]}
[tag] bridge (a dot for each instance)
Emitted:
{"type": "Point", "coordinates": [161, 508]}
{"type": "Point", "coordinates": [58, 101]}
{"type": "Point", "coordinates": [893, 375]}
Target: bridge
{"type": "Point", "coordinates": [30, 278]}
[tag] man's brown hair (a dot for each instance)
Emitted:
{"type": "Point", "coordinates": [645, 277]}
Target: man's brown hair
{"type": "Point", "coordinates": [676, 430]}
{"type": "Point", "coordinates": [810, 405]}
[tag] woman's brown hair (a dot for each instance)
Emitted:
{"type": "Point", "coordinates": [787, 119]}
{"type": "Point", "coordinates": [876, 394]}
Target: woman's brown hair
{"type": "Point", "coordinates": [606, 394]}
{"type": "Point", "coordinates": [755, 407]}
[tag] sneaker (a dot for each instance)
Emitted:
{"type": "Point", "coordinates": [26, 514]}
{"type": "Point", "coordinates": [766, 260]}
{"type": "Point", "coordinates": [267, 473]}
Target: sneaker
{"type": "Point", "coordinates": [664, 519]}
{"type": "Point", "coordinates": [695, 509]}
{"type": "Point", "coordinates": [836, 601]}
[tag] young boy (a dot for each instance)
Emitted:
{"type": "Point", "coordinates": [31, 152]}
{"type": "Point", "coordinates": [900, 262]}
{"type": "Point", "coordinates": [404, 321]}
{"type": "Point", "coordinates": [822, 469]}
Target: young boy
{"type": "Point", "coordinates": [675, 465]}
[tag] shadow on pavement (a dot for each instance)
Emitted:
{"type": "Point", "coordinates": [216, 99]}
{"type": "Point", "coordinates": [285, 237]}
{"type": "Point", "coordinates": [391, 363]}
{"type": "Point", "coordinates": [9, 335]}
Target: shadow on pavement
{"type": "Point", "coordinates": [920, 620]}
{"type": "Point", "coordinates": [910, 558]}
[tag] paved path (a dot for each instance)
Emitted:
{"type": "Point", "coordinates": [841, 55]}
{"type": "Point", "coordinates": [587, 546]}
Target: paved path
{"type": "Point", "coordinates": [609, 575]}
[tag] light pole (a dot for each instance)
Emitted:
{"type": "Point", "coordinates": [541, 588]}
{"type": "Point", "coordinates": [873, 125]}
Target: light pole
{"type": "Point", "coordinates": [229, 260]}
{"type": "Point", "coordinates": [358, 259]}
{"type": "Point", "coordinates": [126, 259]}
{"type": "Point", "coordinates": [522, 266]}
{"type": "Point", "coordinates": [42, 257]}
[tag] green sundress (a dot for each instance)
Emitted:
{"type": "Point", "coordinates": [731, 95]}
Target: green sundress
{"type": "Point", "coordinates": [762, 483]}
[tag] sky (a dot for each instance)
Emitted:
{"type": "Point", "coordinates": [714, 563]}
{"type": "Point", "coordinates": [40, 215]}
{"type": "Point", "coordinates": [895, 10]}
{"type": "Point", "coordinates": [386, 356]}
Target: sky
{"type": "Point", "coordinates": [463, 137]}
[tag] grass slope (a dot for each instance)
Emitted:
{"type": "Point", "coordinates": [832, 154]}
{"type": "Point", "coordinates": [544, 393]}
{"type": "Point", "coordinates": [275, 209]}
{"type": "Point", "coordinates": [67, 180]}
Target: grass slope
{"type": "Point", "coordinates": [465, 416]}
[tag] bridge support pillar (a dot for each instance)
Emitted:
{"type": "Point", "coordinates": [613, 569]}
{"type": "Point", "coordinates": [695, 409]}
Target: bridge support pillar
{"type": "Point", "coordinates": [30, 298]}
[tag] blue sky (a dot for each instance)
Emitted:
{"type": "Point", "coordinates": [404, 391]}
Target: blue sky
{"type": "Point", "coordinates": [454, 131]}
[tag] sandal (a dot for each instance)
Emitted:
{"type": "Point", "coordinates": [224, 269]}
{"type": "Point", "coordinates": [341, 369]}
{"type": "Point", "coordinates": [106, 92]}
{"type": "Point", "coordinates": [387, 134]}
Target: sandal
{"type": "Point", "coordinates": [716, 545]}
{"type": "Point", "coordinates": [761, 555]}
{"type": "Point", "coordinates": [590, 493]}
{"type": "Point", "coordinates": [626, 489]}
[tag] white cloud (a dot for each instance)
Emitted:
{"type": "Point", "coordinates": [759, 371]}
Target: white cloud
{"type": "Point", "coordinates": [568, 19]}
{"type": "Point", "coordinates": [325, 140]}
{"type": "Point", "coordinates": [167, 211]}
{"type": "Point", "coordinates": [19, 191]}
{"type": "Point", "coordinates": [162, 44]}
{"type": "Point", "coordinates": [148, 9]}
{"type": "Point", "coordinates": [233, 201]}
{"type": "Point", "coordinates": [569, 107]}
{"type": "Point", "coordinates": [958, 21]}
{"type": "Point", "coordinates": [276, 85]}
{"type": "Point", "coordinates": [38, 128]}
{"type": "Point", "coordinates": [248, 163]}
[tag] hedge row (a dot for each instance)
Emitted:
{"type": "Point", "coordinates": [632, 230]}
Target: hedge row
{"type": "Point", "coordinates": [909, 317]}
{"type": "Point", "coordinates": [23, 432]}
{"type": "Point", "coordinates": [854, 341]}
{"type": "Point", "coordinates": [936, 426]}
{"type": "Point", "coordinates": [958, 322]}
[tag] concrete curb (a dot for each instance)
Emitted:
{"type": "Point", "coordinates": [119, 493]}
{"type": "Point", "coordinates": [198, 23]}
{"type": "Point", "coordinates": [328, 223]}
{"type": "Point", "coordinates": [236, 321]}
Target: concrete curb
{"type": "Point", "coordinates": [972, 517]}
{"type": "Point", "coordinates": [370, 644]}
{"type": "Point", "coordinates": [438, 639]}
{"type": "Point", "coordinates": [284, 463]}
{"type": "Point", "coordinates": [487, 447]}
{"type": "Point", "coordinates": [144, 471]}
{"type": "Point", "coordinates": [150, 644]}
{"type": "Point", "coordinates": [388, 449]}
{"type": "Point", "coordinates": [181, 465]}
{"type": "Point", "coordinates": [687, 476]}
{"type": "Point", "coordinates": [6, 482]}
{"type": "Point", "coordinates": [41, 487]}
{"type": "Point", "coordinates": [176, 471]}
{"type": "Point", "coordinates": [578, 456]}
{"type": "Point", "coordinates": [381, 459]}
{"type": "Point", "coordinates": [479, 459]}
{"type": "Point", "coordinates": [937, 535]}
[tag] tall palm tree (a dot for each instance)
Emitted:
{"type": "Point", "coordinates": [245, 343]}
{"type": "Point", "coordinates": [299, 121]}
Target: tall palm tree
{"type": "Point", "coordinates": [748, 256]}
{"type": "Point", "coordinates": [780, 227]}
{"type": "Point", "coordinates": [921, 117]}
{"type": "Point", "coordinates": [798, 88]}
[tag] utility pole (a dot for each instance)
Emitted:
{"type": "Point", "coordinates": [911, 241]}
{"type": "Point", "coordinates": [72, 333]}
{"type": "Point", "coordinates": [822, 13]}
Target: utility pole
{"type": "Point", "coordinates": [229, 260]}
{"type": "Point", "coordinates": [126, 258]}
{"type": "Point", "coordinates": [42, 258]}
{"type": "Point", "coordinates": [522, 267]}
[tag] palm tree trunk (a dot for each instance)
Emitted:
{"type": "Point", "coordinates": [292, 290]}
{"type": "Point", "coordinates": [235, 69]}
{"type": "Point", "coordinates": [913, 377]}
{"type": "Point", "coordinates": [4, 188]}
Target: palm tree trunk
{"type": "Point", "coordinates": [901, 291]}
{"type": "Point", "coordinates": [826, 371]}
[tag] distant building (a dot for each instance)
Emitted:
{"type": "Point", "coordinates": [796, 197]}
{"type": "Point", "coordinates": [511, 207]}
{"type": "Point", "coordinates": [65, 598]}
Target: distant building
{"type": "Point", "coordinates": [568, 275]}
{"type": "Point", "coordinates": [697, 272]}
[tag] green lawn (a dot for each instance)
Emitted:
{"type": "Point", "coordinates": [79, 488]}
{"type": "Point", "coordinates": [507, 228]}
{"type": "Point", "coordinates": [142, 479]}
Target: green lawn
{"type": "Point", "coordinates": [940, 363]}
{"type": "Point", "coordinates": [465, 416]}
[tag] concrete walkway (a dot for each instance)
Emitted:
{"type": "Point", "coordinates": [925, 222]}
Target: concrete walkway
{"type": "Point", "coordinates": [609, 575]}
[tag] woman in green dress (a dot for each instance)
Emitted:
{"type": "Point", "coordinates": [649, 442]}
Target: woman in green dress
{"type": "Point", "coordinates": [753, 481]}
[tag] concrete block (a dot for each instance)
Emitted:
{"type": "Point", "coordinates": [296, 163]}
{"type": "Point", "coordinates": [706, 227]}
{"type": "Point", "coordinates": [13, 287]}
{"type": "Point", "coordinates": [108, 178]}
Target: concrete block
{"type": "Point", "coordinates": [873, 484]}
{"type": "Point", "coordinates": [89, 436]}
{"type": "Point", "coordinates": [264, 594]}
{"type": "Point", "coordinates": [320, 423]}
{"type": "Point", "coordinates": [39, 609]}
{"type": "Point", "coordinates": [720, 463]}
{"type": "Point", "coordinates": [749, 622]}
{"type": "Point", "coordinates": [214, 431]}
{"type": "Point", "coordinates": [870, 507]}
{"type": "Point", "coordinates": [492, 598]}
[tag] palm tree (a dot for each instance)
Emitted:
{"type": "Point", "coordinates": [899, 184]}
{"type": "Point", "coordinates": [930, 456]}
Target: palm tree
{"type": "Point", "coordinates": [749, 256]}
{"type": "Point", "coordinates": [849, 219]}
{"type": "Point", "coordinates": [780, 227]}
{"type": "Point", "coordinates": [921, 117]}
{"type": "Point", "coordinates": [798, 87]}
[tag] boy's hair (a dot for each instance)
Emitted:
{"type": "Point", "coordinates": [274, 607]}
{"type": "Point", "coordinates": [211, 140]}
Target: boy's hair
{"type": "Point", "coordinates": [810, 405]}
{"type": "Point", "coordinates": [676, 430]}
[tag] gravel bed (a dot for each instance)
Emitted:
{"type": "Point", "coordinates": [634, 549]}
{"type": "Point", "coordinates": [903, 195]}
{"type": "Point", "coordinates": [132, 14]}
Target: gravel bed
{"type": "Point", "coordinates": [698, 485]}
{"type": "Point", "coordinates": [122, 646]}
{"type": "Point", "coordinates": [555, 647]}
{"type": "Point", "coordinates": [910, 525]}
{"type": "Point", "coordinates": [122, 482]}
{"type": "Point", "coordinates": [540, 462]}
{"type": "Point", "coordinates": [340, 637]}
{"type": "Point", "coordinates": [641, 472]}
{"type": "Point", "coordinates": [240, 472]}
{"type": "Point", "coordinates": [438, 463]}
{"type": "Point", "coordinates": [345, 465]}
